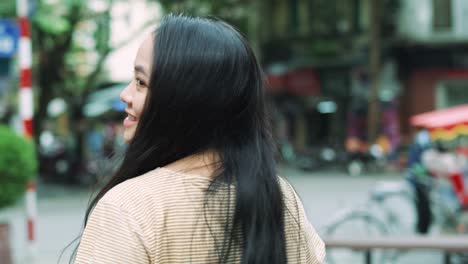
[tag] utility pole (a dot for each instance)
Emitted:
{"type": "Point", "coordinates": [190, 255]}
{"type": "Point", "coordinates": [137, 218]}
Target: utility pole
{"type": "Point", "coordinates": [374, 64]}
{"type": "Point", "coordinates": [26, 111]}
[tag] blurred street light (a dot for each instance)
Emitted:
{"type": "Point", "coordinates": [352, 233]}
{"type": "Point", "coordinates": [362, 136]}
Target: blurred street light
{"type": "Point", "coordinates": [56, 107]}
{"type": "Point", "coordinates": [327, 107]}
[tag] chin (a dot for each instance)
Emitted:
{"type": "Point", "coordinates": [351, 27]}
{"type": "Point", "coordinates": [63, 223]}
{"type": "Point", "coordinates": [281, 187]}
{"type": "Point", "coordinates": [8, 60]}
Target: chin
{"type": "Point", "coordinates": [128, 135]}
{"type": "Point", "coordinates": [127, 139]}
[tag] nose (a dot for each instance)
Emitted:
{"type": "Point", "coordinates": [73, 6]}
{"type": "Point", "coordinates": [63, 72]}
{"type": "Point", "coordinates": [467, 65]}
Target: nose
{"type": "Point", "coordinates": [125, 95]}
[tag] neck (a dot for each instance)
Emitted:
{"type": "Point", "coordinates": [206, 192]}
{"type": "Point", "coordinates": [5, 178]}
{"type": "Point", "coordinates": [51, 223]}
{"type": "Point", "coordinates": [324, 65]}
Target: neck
{"type": "Point", "coordinates": [204, 164]}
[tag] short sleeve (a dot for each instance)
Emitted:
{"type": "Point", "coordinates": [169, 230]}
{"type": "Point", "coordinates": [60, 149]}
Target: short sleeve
{"type": "Point", "coordinates": [111, 236]}
{"type": "Point", "coordinates": [315, 252]}
{"type": "Point", "coordinates": [312, 246]}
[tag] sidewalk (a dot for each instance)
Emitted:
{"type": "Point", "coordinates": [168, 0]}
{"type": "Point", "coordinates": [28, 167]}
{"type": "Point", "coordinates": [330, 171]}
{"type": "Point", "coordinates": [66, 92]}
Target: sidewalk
{"type": "Point", "coordinates": [61, 213]}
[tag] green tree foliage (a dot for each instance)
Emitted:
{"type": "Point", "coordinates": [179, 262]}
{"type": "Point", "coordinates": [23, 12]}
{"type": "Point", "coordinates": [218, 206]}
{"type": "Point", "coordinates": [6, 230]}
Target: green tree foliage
{"type": "Point", "coordinates": [18, 164]}
{"type": "Point", "coordinates": [7, 8]}
{"type": "Point", "coordinates": [71, 42]}
{"type": "Point", "coordinates": [56, 29]}
{"type": "Point", "coordinates": [62, 68]}
{"type": "Point", "coordinates": [235, 12]}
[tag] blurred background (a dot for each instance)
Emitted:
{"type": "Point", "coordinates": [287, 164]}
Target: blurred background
{"type": "Point", "coordinates": [348, 81]}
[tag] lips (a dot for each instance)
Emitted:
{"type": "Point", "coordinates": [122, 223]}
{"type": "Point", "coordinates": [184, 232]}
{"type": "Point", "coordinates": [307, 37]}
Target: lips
{"type": "Point", "coordinates": [130, 120]}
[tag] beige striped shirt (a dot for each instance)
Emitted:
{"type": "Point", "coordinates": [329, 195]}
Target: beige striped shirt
{"type": "Point", "coordinates": [162, 217]}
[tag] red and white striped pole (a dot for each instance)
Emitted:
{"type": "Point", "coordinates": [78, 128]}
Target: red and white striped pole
{"type": "Point", "coordinates": [26, 113]}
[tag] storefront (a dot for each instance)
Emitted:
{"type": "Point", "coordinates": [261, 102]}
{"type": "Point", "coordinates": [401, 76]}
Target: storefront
{"type": "Point", "coordinates": [433, 77]}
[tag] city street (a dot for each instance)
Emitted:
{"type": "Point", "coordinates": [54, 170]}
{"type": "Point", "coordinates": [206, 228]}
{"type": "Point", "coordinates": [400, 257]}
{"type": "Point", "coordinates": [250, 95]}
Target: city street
{"type": "Point", "coordinates": [61, 211]}
{"type": "Point", "coordinates": [323, 194]}
{"type": "Point", "coordinates": [363, 85]}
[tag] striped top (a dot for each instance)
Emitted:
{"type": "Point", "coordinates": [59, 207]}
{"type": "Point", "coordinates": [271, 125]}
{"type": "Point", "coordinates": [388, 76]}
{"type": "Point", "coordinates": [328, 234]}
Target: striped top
{"type": "Point", "coordinates": [162, 217]}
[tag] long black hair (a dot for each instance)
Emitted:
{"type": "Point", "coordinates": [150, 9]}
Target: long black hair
{"type": "Point", "coordinates": [206, 92]}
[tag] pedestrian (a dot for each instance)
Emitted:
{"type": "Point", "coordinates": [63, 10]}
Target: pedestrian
{"type": "Point", "coordinates": [418, 175]}
{"type": "Point", "coordinates": [198, 182]}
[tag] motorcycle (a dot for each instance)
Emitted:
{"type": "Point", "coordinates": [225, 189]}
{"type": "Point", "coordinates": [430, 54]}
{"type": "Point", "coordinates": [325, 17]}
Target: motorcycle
{"type": "Point", "coordinates": [53, 158]}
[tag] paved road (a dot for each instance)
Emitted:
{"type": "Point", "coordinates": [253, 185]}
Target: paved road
{"type": "Point", "coordinates": [61, 212]}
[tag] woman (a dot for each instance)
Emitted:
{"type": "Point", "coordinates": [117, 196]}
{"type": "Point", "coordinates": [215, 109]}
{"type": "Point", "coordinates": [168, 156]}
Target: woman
{"type": "Point", "coordinates": [198, 182]}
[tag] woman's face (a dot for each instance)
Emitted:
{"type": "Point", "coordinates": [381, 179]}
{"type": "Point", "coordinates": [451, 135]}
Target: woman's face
{"type": "Point", "coordinates": [134, 94]}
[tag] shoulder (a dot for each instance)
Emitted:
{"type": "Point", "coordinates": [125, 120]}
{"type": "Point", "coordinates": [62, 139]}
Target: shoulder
{"type": "Point", "coordinates": [142, 193]}
{"type": "Point", "coordinates": [299, 228]}
{"type": "Point", "coordinates": [293, 204]}
{"type": "Point", "coordinates": [289, 194]}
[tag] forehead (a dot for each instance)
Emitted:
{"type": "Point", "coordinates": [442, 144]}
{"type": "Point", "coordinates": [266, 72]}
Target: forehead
{"type": "Point", "coordinates": [144, 55]}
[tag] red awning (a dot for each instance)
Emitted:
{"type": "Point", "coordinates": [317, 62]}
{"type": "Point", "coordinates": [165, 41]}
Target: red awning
{"type": "Point", "coordinates": [442, 119]}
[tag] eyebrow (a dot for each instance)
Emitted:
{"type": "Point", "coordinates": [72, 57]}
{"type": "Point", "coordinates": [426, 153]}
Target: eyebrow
{"type": "Point", "coordinates": [140, 69]}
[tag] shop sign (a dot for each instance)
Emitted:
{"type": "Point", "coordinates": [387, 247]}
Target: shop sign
{"type": "Point", "coordinates": [303, 82]}
{"type": "Point", "coordinates": [9, 35]}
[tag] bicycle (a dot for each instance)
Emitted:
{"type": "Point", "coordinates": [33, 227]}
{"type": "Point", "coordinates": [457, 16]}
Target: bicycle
{"type": "Point", "coordinates": [390, 210]}
{"type": "Point", "coordinates": [376, 217]}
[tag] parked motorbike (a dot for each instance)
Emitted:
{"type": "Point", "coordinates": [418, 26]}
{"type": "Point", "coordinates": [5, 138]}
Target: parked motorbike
{"type": "Point", "coordinates": [373, 160]}
{"type": "Point", "coordinates": [53, 159]}
{"type": "Point", "coordinates": [312, 159]}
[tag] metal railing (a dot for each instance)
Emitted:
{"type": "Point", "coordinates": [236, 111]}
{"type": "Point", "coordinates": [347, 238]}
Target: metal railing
{"type": "Point", "coordinates": [447, 244]}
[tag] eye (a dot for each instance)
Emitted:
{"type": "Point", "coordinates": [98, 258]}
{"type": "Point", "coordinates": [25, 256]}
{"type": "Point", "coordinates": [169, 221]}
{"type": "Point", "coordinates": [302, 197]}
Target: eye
{"type": "Point", "coordinates": [139, 82]}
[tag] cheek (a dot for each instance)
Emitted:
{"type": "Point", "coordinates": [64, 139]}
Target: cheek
{"type": "Point", "coordinates": [140, 104]}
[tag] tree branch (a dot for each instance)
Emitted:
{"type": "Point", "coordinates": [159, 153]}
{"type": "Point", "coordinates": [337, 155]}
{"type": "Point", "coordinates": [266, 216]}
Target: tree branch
{"type": "Point", "coordinates": [92, 77]}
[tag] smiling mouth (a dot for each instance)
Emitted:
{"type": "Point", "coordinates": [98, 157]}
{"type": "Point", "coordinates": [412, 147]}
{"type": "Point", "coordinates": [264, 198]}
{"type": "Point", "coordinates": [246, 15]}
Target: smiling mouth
{"type": "Point", "coordinates": [129, 121]}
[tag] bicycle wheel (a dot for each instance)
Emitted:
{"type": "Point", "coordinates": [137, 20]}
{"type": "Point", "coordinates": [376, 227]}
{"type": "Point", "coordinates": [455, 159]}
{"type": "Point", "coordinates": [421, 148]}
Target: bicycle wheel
{"type": "Point", "coordinates": [401, 213]}
{"type": "Point", "coordinates": [459, 258]}
{"type": "Point", "coordinates": [355, 224]}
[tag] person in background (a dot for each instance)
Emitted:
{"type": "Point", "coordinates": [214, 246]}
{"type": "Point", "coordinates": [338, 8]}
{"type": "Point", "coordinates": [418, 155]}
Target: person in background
{"type": "Point", "coordinates": [421, 143]}
{"type": "Point", "coordinates": [418, 176]}
{"type": "Point", "coordinates": [95, 140]}
{"type": "Point", "coordinates": [198, 182]}
{"type": "Point", "coordinates": [448, 165]}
